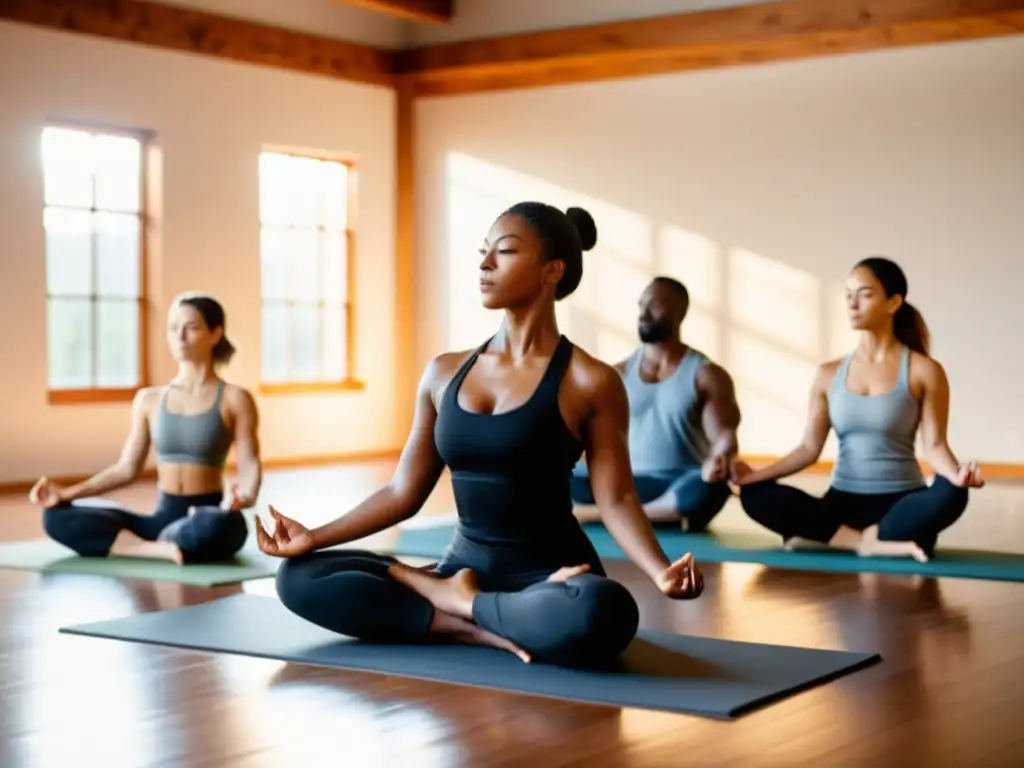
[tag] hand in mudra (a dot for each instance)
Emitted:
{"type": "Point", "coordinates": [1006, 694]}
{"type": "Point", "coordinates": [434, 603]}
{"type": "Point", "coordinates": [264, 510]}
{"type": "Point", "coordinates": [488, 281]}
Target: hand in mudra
{"type": "Point", "coordinates": [970, 476]}
{"type": "Point", "coordinates": [682, 580]}
{"type": "Point", "coordinates": [716, 469]}
{"type": "Point", "coordinates": [288, 538]}
{"type": "Point", "coordinates": [234, 500]}
{"type": "Point", "coordinates": [741, 471]}
{"type": "Point", "coordinates": [45, 493]}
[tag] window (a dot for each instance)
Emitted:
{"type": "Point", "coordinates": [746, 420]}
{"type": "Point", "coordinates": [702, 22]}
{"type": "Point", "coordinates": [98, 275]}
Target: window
{"type": "Point", "coordinates": [94, 222]}
{"type": "Point", "coordinates": [305, 259]}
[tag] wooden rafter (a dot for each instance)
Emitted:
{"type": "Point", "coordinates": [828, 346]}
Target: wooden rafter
{"type": "Point", "coordinates": [436, 11]}
{"type": "Point", "coordinates": [735, 36]}
{"type": "Point", "coordinates": [731, 36]}
{"type": "Point", "coordinates": [180, 29]}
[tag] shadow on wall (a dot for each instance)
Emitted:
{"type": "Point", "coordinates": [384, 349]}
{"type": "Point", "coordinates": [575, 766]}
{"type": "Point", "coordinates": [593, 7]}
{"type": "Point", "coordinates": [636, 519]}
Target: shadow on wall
{"type": "Point", "coordinates": [768, 323]}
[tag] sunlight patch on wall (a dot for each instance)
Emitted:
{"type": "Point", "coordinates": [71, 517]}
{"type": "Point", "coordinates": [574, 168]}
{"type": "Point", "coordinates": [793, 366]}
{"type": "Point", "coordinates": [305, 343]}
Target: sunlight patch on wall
{"type": "Point", "coordinates": [778, 301]}
{"type": "Point", "coordinates": [771, 386]}
{"type": "Point", "coordinates": [471, 209]}
{"type": "Point", "coordinates": [607, 298]}
{"type": "Point", "coordinates": [774, 340]}
{"type": "Point", "coordinates": [758, 317]}
{"type": "Point", "coordinates": [697, 262]}
{"type": "Point", "coordinates": [601, 315]}
{"type": "Point", "coordinates": [841, 337]}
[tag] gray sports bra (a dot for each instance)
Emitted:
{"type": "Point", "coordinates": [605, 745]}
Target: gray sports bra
{"type": "Point", "coordinates": [201, 438]}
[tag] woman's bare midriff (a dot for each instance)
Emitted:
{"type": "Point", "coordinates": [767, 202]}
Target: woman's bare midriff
{"type": "Point", "coordinates": [189, 479]}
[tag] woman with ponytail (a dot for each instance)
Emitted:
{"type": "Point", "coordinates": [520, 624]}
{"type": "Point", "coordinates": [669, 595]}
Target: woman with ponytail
{"type": "Point", "coordinates": [191, 424]}
{"type": "Point", "coordinates": [879, 399]}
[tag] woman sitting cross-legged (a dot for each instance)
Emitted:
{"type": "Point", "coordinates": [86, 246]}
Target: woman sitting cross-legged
{"type": "Point", "coordinates": [509, 419]}
{"type": "Point", "coordinates": [878, 399]}
{"type": "Point", "coordinates": [192, 424]}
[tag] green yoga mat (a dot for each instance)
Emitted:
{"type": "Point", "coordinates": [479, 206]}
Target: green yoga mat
{"type": "Point", "coordinates": [742, 547]}
{"type": "Point", "coordinates": [47, 556]}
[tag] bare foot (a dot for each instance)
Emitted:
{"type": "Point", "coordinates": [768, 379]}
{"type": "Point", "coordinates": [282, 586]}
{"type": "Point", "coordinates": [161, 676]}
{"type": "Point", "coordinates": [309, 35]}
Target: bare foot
{"type": "Point", "coordinates": [871, 546]}
{"type": "Point", "coordinates": [797, 543]}
{"type": "Point", "coordinates": [452, 595]}
{"type": "Point", "coordinates": [479, 636]}
{"type": "Point", "coordinates": [128, 545]}
{"type": "Point", "coordinates": [177, 555]}
{"type": "Point", "coordinates": [474, 635]}
{"type": "Point", "coordinates": [468, 633]}
{"type": "Point", "coordinates": [564, 574]}
{"type": "Point", "coordinates": [153, 550]}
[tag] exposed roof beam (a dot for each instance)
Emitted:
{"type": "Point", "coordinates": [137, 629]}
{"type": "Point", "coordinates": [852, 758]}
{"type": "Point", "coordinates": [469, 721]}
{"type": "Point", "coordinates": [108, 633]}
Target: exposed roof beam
{"type": "Point", "coordinates": [188, 31]}
{"type": "Point", "coordinates": [723, 37]}
{"type": "Point", "coordinates": [437, 11]}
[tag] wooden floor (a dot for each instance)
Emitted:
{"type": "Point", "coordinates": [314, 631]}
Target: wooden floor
{"type": "Point", "coordinates": [946, 694]}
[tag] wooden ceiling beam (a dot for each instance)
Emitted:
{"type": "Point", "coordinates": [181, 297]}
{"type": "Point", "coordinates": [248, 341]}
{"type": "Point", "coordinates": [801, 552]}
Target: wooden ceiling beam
{"type": "Point", "coordinates": [735, 36]}
{"type": "Point", "coordinates": [435, 11]}
{"type": "Point", "coordinates": [206, 34]}
{"type": "Point", "coordinates": [777, 31]}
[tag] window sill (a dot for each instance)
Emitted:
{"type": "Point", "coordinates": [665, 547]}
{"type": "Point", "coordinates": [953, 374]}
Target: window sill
{"type": "Point", "coordinates": [313, 388]}
{"type": "Point", "coordinates": [90, 396]}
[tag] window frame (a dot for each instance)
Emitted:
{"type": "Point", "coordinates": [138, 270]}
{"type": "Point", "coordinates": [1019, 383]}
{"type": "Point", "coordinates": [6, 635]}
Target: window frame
{"type": "Point", "coordinates": [350, 382]}
{"type": "Point", "coordinates": [96, 394]}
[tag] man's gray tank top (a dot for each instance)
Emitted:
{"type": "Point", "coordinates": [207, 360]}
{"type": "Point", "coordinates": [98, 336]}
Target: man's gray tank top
{"type": "Point", "coordinates": [876, 435]}
{"type": "Point", "coordinates": [666, 435]}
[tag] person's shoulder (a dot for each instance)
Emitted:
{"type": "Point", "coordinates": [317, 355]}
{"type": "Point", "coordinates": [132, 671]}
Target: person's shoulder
{"type": "Point", "coordinates": [712, 375]}
{"type": "Point", "coordinates": [445, 365]}
{"type": "Point", "coordinates": [237, 396]}
{"type": "Point", "coordinates": [926, 369]}
{"type": "Point", "coordinates": [592, 376]}
{"type": "Point", "coordinates": [439, 372]}
{"type": "Point", "coordinates": [825, 373]}
{"type": "Point", "coordinates": [146, 397]}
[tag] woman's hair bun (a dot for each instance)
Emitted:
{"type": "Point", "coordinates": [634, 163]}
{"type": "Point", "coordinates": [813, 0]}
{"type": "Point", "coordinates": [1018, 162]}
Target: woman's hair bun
{"type": "Point", "coordinates": [585, 226]}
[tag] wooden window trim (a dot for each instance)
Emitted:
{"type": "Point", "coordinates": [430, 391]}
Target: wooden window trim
{"type": "Point", "coordinates": [105, 395]}
{"type": "Point", "coordinates": [350, 383]}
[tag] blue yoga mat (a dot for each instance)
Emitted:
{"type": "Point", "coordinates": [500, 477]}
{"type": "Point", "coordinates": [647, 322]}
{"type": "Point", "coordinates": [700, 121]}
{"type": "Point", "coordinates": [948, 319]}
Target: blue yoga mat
{"type": "Point", "coordinates": [659, 671]}
{"type": "Point", "coordinates": [739, 547]}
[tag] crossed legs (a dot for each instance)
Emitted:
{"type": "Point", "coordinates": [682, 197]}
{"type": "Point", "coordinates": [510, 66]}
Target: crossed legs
{"type": "Point", "coordinates": [895, 524]}
{"type": "Point", "coordinates": [183, 529]}
{"type": "Point", "coordinates": [571, 619]}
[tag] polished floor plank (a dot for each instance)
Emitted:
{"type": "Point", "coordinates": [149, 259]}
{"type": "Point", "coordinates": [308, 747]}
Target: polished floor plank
{"type": "Point", "coordinates": [948, 692]}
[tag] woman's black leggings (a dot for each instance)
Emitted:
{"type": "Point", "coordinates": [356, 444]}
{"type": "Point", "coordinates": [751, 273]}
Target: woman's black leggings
{"type": "Point", "coordinates": [918, 515]}
{"type": "Point", "coordinates": [585, 621]}
{"type": "Point", "coordinates": [209, 535]}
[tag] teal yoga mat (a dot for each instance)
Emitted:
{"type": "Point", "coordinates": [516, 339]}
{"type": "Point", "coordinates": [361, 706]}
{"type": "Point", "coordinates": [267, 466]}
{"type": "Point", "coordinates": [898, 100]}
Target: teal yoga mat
{"type": "Point", "coordinates": [46, 556]}
{"type": "Point", "coordinates": [659, 671]}
{"type": "Point", "coordinates": [742, 547]}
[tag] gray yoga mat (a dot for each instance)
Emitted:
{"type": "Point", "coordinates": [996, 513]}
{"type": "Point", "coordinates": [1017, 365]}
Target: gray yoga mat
{"type": "Point", "coordinates": [659, 671]}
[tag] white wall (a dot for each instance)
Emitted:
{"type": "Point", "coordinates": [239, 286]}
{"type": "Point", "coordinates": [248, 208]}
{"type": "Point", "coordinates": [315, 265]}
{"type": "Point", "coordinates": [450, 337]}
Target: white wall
{"type": "Point", "coordinates": [760, 187]}
{"type": "Point", "coordinates": [211, 119]}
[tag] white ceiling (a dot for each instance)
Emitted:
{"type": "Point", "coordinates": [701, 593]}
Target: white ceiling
{"type": "Point", "coordinates": [473, 18]}
{"type": "Point", "coordinates": [492, 18]}
{"type": "Point", "coordinates": [319, 17]}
